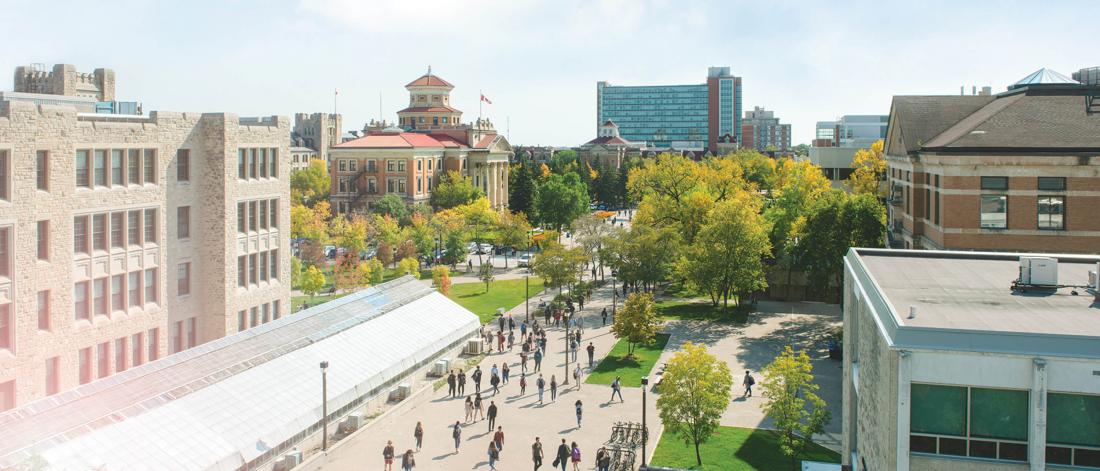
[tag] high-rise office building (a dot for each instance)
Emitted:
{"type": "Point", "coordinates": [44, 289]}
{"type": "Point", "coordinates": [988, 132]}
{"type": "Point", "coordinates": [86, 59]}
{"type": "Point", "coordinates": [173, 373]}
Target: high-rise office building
{"type": "Point", "coordinates": [684, 117]}
{"type": "Point", "coordinates": [858, 131]}
{"type": "Point", "coordinates": [124, 238]}
{"type": "Point", "coordinates": [761, 131]}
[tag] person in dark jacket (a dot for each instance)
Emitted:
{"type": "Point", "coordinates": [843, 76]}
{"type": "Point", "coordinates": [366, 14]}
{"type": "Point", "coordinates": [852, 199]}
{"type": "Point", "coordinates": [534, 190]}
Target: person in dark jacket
{"type": "Point", "coordinates": [562, 456]}
{"type": "Point", "coordinates": [492, 415]}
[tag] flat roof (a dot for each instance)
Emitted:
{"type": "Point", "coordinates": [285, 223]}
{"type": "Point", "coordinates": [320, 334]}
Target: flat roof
{"type": "Point", "coordinates": [964, 301]}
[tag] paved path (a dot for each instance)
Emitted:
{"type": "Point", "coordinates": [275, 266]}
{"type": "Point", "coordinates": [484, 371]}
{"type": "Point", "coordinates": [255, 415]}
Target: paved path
{"type": "Point", "coordinates": [522, 417]}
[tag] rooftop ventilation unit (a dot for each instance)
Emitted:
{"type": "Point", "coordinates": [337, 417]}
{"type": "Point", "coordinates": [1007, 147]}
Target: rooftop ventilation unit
{"type": "Point", "coordinates": [1039, 271]}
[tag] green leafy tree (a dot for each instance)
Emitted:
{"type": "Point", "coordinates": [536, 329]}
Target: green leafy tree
{"type": "Point", "coordinates": [591, 232]}
{"type": "Point", "coordinates": [561, 199]}
{"type": "Point", "coordinates": [480, 219]}
{"type": "Point", "coordinates": [312, 282]}
{"type": "Point", "coordinates": [637, 322]}
{"type": "Point", "coordinates": [836, 221]}
{"type": "Point", "coordinates": [391, 205]}
{"type": "Point", "coordinates": [801, 150]}
{"type": "Point", "coordinates": [349, 233]}
{"type": "Point", "coordinates": [441, 278]}
{"type": "Point", "coordinates": [512, 231]}
{"type": "Point", "coordinates": [727, 257]}
{"type": "Point", "coordinates": [485, 274]}
{"type": "Point", "coordinates": [521, 196]}
{"type": "Point", "coordinates": [678, 192]}
{"type": "Point", "coordinates": [606, 184]}
{"type": "Point", "coordinates": [377, 271]}
{"type": "Point", "coordinates": [311, 184]}
{"type": "Point", "coordinates": [643, 255]}
{"type": "Point", "coordinates": [310, 222]}
{"type": "Point", "coordinates": [409, 266]}
{"type": "Point", "coordinates": [792, 402]}
{"type": "Point", "coordinates": [757, 168]}
{"type": "Point", "coordinates": [421, 234]}
{"type": "Point", "coordinates": [454, 190]}
{"type": "Point", "coordinates": [557, 265]}
{"type": "Point", "coordinates": [295, 272]}
{"type": "Point", "coordinates": [695, 390]}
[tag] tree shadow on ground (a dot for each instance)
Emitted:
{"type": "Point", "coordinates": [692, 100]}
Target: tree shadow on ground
{"type": "Point", "coordinates": [807, 333]}
{"type": "Point", "coordinates": [708, 333]}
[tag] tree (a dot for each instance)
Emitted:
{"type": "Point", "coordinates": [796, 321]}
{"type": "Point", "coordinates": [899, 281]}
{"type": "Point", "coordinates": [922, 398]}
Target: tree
{"type": "Point", "coordinates": [409, 266]}
{"type": "Point", "coordinates": [757, 168]}
{"type": "Point", "coordinates": [794, 186]}
{"type": "Point", "coordinates": [485, 274]}
{"type": "Point", "coordinates": [479, 216]}
{"type": "Point", "coordinates": [377, 271]}
{"type": "Point", "coordinates": [441, 278]}
{"type": "Point", "coordinates": [385, 253]}
{"type": "Point", "coordinates": [801, 150]}
{"type": "Point", "coordinates": [512, 231]}
{"type": "Point", "coordinates": [837, 221]}
{"type": "Point", "coordinates": [793, 404]}
{"type": "Point", "coordinates": [727, 257]}
{"type": "Point", "coordinates": [870, 167]}
{"type": "Point", "coordinates": [391, 205]}
{"type": "Point", "coordinates": [561, 199]}
{"type": "Point", "coordinates": [590, 232]}
{"type": "Point", "coordinates": [311, 184]}
{"type": "Point", "coordinates": [695, 390]}
{"type": "Point", "coordinates": [637, 322]}
{"type": "Point", "coordinates": [312, 282]}
{"type": "Point", "coordinates": [453, 190]}
{"type": "Point", "coordinates": [350, 233]}
{"type": "Point", "coordinates": [678, 192]}
{"type": "Point", "coordinates": [558, 265]}
{"type": "Point", "coordinates": [350, 273]}
{"type": "Point", "coordinates": [310, 222]}
{"type": "Point", "coordinates": [644, 254]}
{"type": "Point", "coordinates": [295, 272]}
{"type": "Point", "coordinates": [421, 234]}
{"type": "Point", "coordinates": [521, 196]}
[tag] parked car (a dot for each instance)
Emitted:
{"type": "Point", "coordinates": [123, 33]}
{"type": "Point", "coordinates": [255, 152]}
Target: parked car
{"type": "Point", "coordinates": [525, 260]}
{"type": "Point", "coordinates": [330, 252]}
{"type": "Point", "coordinates": [485, 249]}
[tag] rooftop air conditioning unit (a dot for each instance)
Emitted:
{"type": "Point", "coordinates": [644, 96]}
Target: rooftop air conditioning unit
{"type": "Point", "coordinates": [353, 422]}
{"type": "Point", "coordinates": [441, 367]}
{"type": "Point", "coordinates": [1038, 271]}
{"type": "Point", "coordinates": [1094, 279]}
{"type": "Point", "coordinates": [401, 392]}
{"type": "Point", "coordinates": [474, 347]}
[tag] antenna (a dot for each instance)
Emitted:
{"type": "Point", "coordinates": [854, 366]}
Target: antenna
{"type": "Point", "coordinates": [380, 102]}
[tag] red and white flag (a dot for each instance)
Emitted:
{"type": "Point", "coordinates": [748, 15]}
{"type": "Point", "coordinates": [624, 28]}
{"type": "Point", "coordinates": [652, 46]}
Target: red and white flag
{"type": "Point", "coordinates": [485, 99]}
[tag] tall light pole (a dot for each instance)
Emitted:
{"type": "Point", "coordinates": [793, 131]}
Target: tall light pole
{"type": "Point", "coordinates": [566, 380]}
{"type": "Point", "coordinates": [324, 405]}
{"type": "Point", "coordinates": [645, 431]}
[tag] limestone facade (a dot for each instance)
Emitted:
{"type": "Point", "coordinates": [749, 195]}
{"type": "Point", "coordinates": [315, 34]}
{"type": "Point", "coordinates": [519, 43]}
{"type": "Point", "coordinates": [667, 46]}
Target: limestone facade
{"type": "Point", "coordinates": [65, 80]}
{"type": "Point", "coordinates": [120, 241]}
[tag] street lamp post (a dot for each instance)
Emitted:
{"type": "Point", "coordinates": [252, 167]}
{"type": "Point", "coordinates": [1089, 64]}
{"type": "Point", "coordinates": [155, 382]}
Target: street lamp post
{"type": "Point", "coordinates": [566, 380]}
{"type": "Point", "coordinates": [324, 405]}
{"type": "Point", "coordinates": [645, 431]}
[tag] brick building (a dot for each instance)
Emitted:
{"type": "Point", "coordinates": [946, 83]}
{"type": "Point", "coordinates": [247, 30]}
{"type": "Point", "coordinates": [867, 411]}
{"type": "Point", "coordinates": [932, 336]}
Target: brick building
{"type": "Point", "coordinates": [761, 130]}
{"type": "Point", "coordinates": [1018, 171]}
{"type": "Point", "coordinates": [408, 160]}
{"type": "Point", "coordinates": [125, 238]}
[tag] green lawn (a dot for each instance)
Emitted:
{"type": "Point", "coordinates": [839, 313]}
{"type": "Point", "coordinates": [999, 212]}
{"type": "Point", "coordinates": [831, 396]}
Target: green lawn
{"type": "Point", "coordinates": [630, 370]}
{"type": "Point", "coordinates": [502, 294]}
{"type": "Point", "coordinates": [700, 310]}
{"type": "Point", "coordinates": [734, 449]}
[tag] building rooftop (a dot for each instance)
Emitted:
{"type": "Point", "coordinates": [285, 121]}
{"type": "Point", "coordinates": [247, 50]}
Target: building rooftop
{"type": "Point", "coordinates": [429, 80]}
{"type": "Point", "coordinates": [401, 140]}
{"type": "Point", "coordinates": [1041, 77]}
{"type": "Point", "coordinates": [965, 298]}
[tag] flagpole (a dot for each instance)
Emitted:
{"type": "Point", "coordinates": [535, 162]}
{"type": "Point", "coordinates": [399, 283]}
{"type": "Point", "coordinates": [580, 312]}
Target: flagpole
{"type": "Point", "coordinates": [335, 94]}
{"type": "Point", "coordinates": [480, 100]}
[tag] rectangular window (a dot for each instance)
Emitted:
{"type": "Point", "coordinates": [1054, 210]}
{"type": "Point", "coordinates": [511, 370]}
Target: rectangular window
{"type": "Point", "coordinates": [7, 342]}
{"type": "Point", "coordinates": [252, 269]}
{"type": "Point", "coordinates": [118, 293]}
{"type": "Point", "coordinates": [342, 185]}
{"type": "Point", "coordinates": [252, 163]}
{"type": "Point", "coordinates": [5, 176]}
{"type": "Point", "coordinates": [53, 381]}
{"type": "Point", "coordinates": [120, 355]}
{"type": "Point", "coordinates": [242, 320]}
{"type": "Point", "coordinates": [240, 218]}
{"type": "Point", "coordinates": [183, 222]}
{"type": "Point", "coordinates": [80, 300]}
{"type": "Point", "coordinates": [994, 212]}
{"type": "Point", "coordinates": [100, 168]}
{"type": "Point", "coordinates": [1071, 426]}
{"type": "Point", "coordinates": [389, 185]}
{"type": "Point", "coordinates": [133, 165]}
{"type": "Point", "coordinates": [274, 216]}
{"type": "Point", "coordinates": [241, 174]}
{"type": "Point", "coordinates": [342, 165]}
{"type": "Point", "coordinates": [7, 395]}
{"type": "Point", "coordinates": [150, 166]}
{"type": "Point", "coordinates": [418, 190]}
{"type": "Point", "coordinates": [42, 169]}
{"type": "Point", "coordinates": [183, 279]}
{"type": "Point", "coordinates": [183, 165]}
{"type": "Point", "coordinates": [1052, 212]}
{"type": "Point", "coordinates": [99, 296]}
{"type": "Point", "coordinates": [390, 165]}
{"type": "Point", "coordinates": [134, 286]}
{"type": "Point", "coordinates": [252, 216]}
{"type": "Point", "coordinates": [263, 163]}
{"type": "Point", "coordinates": [274, 163]}
{"type": "Point", "coordinates": [133, 226]}
{"type": "Point", "coordinates": [1052, 184]}
{"type": "Point", "coordinates": [43, 231]}
{"type": "Point", "coordinates": [151, 285]}
{"type": "Point", "coordinates": [118, 230]}
{"type": "Point", "coordinates": [401, 186]}
{"type": "Point", "coordinates": [266, 316]}
{"type": "Point", "coordinates": [137, 348]}
{"type": "Point", "coordinates": [241, 279]}
{"type": "Point", "coordinates": [153, 346]}
{"type": "Point", "coordinates": [116, 167]}
{"type": "Point", "coordinates": [994, 183]}
{"type": "Point", "coordinates": [254, 317]}
{"type": "Point", "coordinates": [263, 214]}
{"type": "Point", "coordinates": [401, 165]}
{"type": "Point", "coordinates": [150, 226]}
{"type": "Point", "coordinates": [192, 332]}
{"type": "Point", "coordinates": [176, 333]}
{"type": "Point", "coordinates": [263, 266]}
{"type": "Point", "coordinates": [275, 310]}
{"type": "Point", "coordinates": [974, 422]}
{"type": "Point", "coordinates": [353, 165]}
{"type": "Point", "coordinates": [44, 320]}
{"type": "Point", "coordinates": [84, 361]}
{"type": "Point", "coordinates": [103, 357]}
{"type": "Point", "coordinates": [274, 264]}
{"type": "Point", "coordinates": [99, 232]}
{"type": "Point", "coordinates": [82, 180]}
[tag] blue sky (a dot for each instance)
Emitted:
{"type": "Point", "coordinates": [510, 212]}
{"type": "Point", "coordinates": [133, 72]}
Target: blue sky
{"type": "Point", "coordinates": [539, 61]}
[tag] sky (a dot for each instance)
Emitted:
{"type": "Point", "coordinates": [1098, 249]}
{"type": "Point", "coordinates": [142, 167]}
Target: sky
{"type": "Point", "coordinates": [539, 61]}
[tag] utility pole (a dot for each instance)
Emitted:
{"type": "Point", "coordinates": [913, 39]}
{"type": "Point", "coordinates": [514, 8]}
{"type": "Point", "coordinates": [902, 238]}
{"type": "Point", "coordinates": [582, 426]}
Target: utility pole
{"type": "Point", "coordinates": [324, 406]}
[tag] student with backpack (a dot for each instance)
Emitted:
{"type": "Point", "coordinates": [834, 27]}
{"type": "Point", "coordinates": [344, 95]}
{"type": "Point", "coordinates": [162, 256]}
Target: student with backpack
{"type": "Point", "coordinates": [748, 382]}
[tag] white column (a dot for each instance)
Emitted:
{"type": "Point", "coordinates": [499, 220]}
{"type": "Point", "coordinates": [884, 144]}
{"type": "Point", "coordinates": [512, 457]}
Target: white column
{"type": "Point", "coordinates": [905, 376]}
{"type": "Point", "coordinates": [1037, 442]}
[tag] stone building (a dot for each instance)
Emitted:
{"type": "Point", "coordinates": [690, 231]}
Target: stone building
{"type": "Point", "coordinates": [300, 157]}
{"type": "Point", "coordinates": [65, 80]}
{"type": "Point", "coordinates": [609, 148]}
{"type": "Point", "coordinates": [127, 238]}
{"type": "Point", "coordinates": [317, 131]}
{"type": "Point", "coordinates": [408, 159]}
{"type": "Point", "coordinates": [1017, 171]}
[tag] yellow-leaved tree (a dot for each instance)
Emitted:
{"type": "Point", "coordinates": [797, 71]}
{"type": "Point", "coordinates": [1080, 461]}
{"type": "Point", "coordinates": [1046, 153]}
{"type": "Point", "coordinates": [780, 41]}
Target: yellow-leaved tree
{"type": "Point", "coordinates": [869, 166]}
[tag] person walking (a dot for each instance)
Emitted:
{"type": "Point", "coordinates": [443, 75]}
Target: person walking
{"type": "Point", "coordinates": [523, 384]}
{"type": "Point", "coordinates": [501, 321]}
{"type": "Point", "coordinates": [494, 455]}
{"type": "Point", "coordinates": [577, 334]}
{"type": "Point", "coordinates": [523, 359]}
{"type": "Point", "coordinates": [494, 381]}
{"type": "Point", "coordinates": [511, 324]}
{"type": "Point", "coordinates": [541, 384]}
{"type": "Point", "coordinates": [523, 331]}
{"type": "Point", "coordinates": [452, 382]}
{"type": "Point", "coordinates": [498, 438]}
{"type": "Point", "coordinates": [536, 453]}
{"type": "Point", "coordinates": [387, 455]}
{"type": "Point", "coordinates": [577, 376]}
{"type": "Point", "coordinates": [504, 371]}
{"type": "Point", "coordinates": [408, 461]}
{"type": "Point", "coordinates": [461, 383]}
{"type": "Point", "coordinates": [561, 458]}
{"type": "Point", "coordinates": [603, 460]}
{"type": "Point", "coordinates": [538, 360]}
{"type": "Point", "coordinates": [603, 315]}
{"type": "Point", "coordinates": [492, 415]}
{"type": "Point", "coordinates": [575, 457]}
{"type": "Point", "coordinates": [456, 433]}
{"type": "Point", "coordinates": [500, 341]}
{"type": "Point", "coordinates": [580, 409]}
{"type": "Point", "coordinates": [616, 388]}
{"type": "Point", "coordinates": [553, 388]}
{"type": "Point", "coordinates": [748, 382]}
{"type": "Point", "coordinates": [479, 408]}
{"type": "Point", "coordinates": [469, 408]}
{"type": "Point", "coordinates": [573, 348]}
{"type": "Point", "coordinates": [418, 434]}
{"type": "Point", "coordinates": [476, 376]}
{"type": "Point", "coordinates": [591, 354]}
{"type": "Point", "coordinates": [511, 340]}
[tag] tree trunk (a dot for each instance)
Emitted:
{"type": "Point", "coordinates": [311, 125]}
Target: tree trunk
{"type": "Point", "coordinates": [698, 459]}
